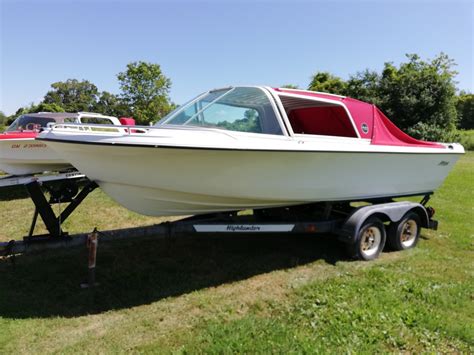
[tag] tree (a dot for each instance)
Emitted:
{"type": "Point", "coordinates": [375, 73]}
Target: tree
{"type": "Point", "coordinates": [44, 107]}
{"type": "Point", "coordinates": [32, 108]}
{"type": "Point", "coordinates": [465, 110]}
{"type": "Point", "coordinates": [365, 86]}
{"type": "Point", "coordinates": [326, 82]}
{"type": "Point", "coordinates": [22, 111]}
{"type": "Point", "coordinates": [73, 95]}
{"type": "Point", "coordinates": [420, 91]}
{"type": "Point", "coordinates": [112, 105]}
{"type": "Point", "coordinates": [3, 119]}
{"type": "Point", "coordinates": [290, 86]}
{"type": "Point", "coordinates": [145, 89]}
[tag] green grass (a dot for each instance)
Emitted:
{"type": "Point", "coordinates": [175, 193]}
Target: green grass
{"type": "Point", "coordinates": [255, 294]}
{"type": "Point", "coordinates": [97, 210]}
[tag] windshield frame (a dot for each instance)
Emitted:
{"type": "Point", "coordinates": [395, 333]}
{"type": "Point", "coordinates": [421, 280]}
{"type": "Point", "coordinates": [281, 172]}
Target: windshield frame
{"type": "Point", "coordinates": [164, 121]}
{"type": "Point", "coordinates": [16, 127]}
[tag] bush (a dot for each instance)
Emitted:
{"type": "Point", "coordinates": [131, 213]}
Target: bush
{"type": "Point", "coordinates": [433, 133]}
{"type": "Point", "coordinates": [467, 139]}
{"type": "Point", "coordinates": [465, 109]}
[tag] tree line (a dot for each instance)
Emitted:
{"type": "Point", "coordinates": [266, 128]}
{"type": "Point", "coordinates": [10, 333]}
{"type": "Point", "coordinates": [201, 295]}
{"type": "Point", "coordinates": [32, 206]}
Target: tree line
{"type": "Point", "coordinates": [144, 95]}
{"type": "Point", "coordinates": [419, 96]}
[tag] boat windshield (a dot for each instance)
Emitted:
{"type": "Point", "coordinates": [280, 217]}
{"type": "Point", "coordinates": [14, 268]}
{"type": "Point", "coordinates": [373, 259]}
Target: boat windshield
{"type": "Point", "coordinates": [243, 109]}
{"type": "Point", "coordinates": [29, 123]}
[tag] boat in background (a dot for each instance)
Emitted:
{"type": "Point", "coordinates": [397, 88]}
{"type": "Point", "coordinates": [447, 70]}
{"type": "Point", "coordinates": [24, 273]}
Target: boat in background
{"type": "Point", "coordinates": [20, 154]}
{"type": "Point", "coordinates": [255, 147]}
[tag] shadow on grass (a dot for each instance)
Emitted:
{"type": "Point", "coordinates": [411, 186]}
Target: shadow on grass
{"type": "Point", "coordinates": [133, 273]}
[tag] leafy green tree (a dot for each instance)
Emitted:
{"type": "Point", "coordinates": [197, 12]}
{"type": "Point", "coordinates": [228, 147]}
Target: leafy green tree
{"type": "Point", "coordinates": [420, 91]}
{"type": "Point", "coordinates": [465, 110]}
{"type": "Point", "coordinates": [73, 95]}
{"type": "Point", "coordinates": [145, 89]}
{"type": "Point", "coordinates": [365, 86]}
{"type": "Point", "coordinates": [32, 108]}
{"type": "Point", "coordinates": [112, 105]}
{"type": "Point", "coordinates": [3, 119]}
{"type": "Point", "coordinates": [44, 107]}
{"type": "Point", "coordinates": [326, 82]}
{"type": "Point", "coordinates": [290, 86]}
{"type": "Point", "coordinates": [22, 111]}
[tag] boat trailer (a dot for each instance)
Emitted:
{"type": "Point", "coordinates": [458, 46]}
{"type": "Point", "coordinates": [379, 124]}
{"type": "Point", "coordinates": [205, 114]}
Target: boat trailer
{"type": "Point", "coordinates": [363, 226]}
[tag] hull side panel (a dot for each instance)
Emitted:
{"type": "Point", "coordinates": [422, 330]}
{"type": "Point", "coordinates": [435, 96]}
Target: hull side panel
{"type": "Point", "coordinates": [27, 156]}
{"type": "Point", "coordinates": [157, 181]}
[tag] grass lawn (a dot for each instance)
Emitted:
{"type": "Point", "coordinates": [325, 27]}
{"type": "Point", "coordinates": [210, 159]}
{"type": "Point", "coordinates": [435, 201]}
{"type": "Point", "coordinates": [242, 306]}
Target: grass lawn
{"type": "Point", "coordinates": [240, 293]}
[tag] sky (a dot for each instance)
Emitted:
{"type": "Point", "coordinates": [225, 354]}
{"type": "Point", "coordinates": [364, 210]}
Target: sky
{"type": "Point", "coordinates": [202, 45]}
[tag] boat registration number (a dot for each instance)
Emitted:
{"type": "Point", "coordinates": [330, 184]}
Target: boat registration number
{"type": "Point", "coordinates": [29, 145]}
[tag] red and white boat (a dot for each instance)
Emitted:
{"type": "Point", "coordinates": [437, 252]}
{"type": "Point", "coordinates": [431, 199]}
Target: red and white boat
{"type": "Point", "coordinates": [255, 147]}
{"type": "Point", "coordinates": [20, 154]}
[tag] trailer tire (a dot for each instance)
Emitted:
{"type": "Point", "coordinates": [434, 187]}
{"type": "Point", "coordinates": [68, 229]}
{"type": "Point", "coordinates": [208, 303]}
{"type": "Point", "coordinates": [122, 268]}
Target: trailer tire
{"type": "Point", "coordinates": [405, 233]}
{"type": "Point", "coordinates": [370, 240]}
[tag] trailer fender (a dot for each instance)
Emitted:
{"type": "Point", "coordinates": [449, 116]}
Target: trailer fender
{"type": "Point", "coordinates": [387, 212]}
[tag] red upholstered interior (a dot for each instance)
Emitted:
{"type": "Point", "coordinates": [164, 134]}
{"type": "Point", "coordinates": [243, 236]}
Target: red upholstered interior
{"type": "Point", "coordinates": [325, 120]}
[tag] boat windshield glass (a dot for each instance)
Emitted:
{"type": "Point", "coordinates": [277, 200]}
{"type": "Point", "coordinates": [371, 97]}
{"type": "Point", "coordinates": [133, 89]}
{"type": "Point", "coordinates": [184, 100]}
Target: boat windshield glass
{"type": "Point", "coordinates": [29, 123]}
{"type": "Point", "coordinates": [243, 109]}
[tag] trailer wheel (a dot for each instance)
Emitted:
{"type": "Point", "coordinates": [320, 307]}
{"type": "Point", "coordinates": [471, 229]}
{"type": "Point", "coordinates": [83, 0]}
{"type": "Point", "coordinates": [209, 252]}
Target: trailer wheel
{"type": "Point", "coordinates": [370, 240]}
{"type": "Point", "coordinates": [405, 233]}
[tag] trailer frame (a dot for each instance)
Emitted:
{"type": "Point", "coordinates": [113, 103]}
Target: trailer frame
{"type": "Point", "coordinates": [339, 218]}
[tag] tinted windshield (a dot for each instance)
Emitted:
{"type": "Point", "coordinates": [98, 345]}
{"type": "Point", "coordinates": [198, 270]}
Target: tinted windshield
{"type": "Point", "coordinates": [26, 122]}
{"type": "Point", "coordinates": [238, 109]}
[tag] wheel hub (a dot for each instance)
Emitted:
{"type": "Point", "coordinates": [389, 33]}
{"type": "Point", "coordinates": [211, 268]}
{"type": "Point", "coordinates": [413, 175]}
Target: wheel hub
{"type": "Point", "coordinates": [370, 240]}
{"type": "Point", "coordinates": [409, 232]}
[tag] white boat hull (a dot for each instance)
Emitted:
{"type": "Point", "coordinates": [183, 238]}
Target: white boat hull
{"type": "Point", "coordinates": [27, 156]}
{"type": "Point", "coordinates": [163, 181]}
